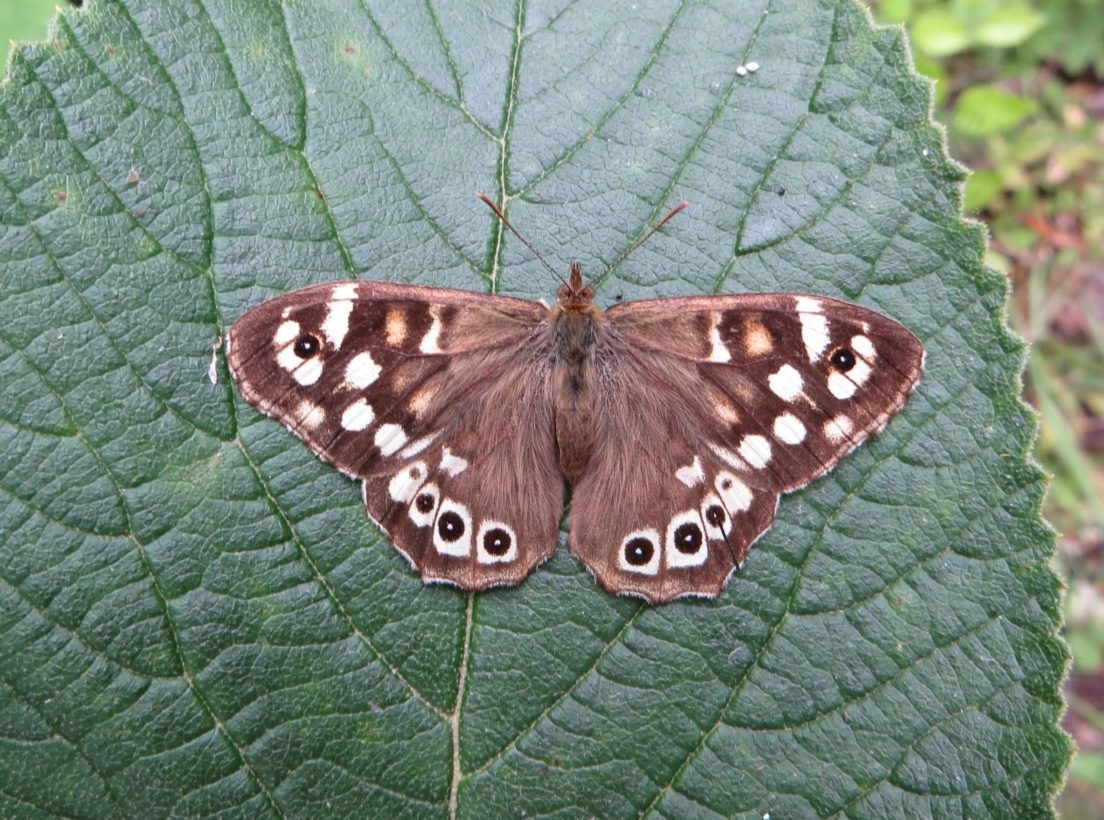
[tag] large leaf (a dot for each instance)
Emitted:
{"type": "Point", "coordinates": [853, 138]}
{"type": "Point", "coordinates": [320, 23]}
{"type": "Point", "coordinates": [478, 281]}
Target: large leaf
{"type": "Point", "coordinates": [196, 616]}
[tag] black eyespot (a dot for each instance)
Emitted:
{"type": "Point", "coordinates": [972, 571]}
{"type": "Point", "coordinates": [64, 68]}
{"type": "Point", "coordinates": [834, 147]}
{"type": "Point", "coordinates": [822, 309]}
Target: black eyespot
{"type": "Point", "coordinates": [497, 541]}
{"type": "Point", "coordinates": [639, 551]}
{"type": "Point", "coordinates": [450, 526]}
{"type": "Point", "coordinates": [726, 483]}
{"type": "Point", "coordinates": [715, 515]}
{"type": "Point", "coordinates": [306, 346]}
{"type": "Point", "coordinates": [843, 359]}
{"type": "Point", "coordinates": [688, 538]}
{"type": "Point", "coordinates": [425, 502]}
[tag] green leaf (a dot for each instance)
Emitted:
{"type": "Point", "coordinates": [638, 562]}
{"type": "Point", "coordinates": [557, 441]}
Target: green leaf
{"type": "Point", "coordinates": [1008, 26]}
{"type": "Point", "coordinates": [985, 110]}
{"type": "Point", "coordinates": [939, 33]}
{"type": "Point", "coordinates": [982, 188]}
{"type": "Point", "coordinates": [197, 618]}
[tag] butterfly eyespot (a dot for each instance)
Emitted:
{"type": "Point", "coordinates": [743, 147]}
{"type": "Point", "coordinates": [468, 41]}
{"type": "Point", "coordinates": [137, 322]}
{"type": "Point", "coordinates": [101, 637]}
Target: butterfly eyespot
{"type": "Point", "coordinates": [639, 551]}
{"type": "Point", "coordinates": [726, 483]}
{"type": "Point", "coordinates": [306, 346]}
{"type": "Point", "coordinates": [688, 538]}
{"type": "Point", "coordinates": [450, 526]}
{"type": "Point", "coordinates": [425, 502]}
{"type": "Point", "coordinates": [714, 515]}
{"type": "Point", "coordinates": [842, 359]}
{"type": "Point", "coordinates": [497, 541]}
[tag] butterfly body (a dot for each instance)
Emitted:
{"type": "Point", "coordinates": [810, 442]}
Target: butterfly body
{"type": "Point", "coordinates": [678, 422]}
{"type": "Point", "coordinates": [576, 325]}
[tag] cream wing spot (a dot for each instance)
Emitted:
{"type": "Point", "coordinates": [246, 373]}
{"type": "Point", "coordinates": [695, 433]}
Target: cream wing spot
{"type": "Point", "coordinates": [357, 416]}
{"type": "Point", "coordinates": [395, 327]}
{"type": "Point", "coordinates": [728, 457]}
{"type": "Point", "coordinates": [308, 372]}
{"type": "Point", "coordinates": [639, 552]}
{"type": "Point", "coordinates": [420, 400]}
{"type": "Point", "coordinates": [452, 531]}
{"type": "Point", "coordinates": [863, 346]}
{"type": "Point", "coordinates": [336, 324]}
{"type": "Point", "coordinates": [838, 428]}
{"type": "Point", "coordinates": [310, 414]}
{"type": "Point", "coordinates": [786, 383]}
{"type": "Point", "coordinates": [286, 333]}
{"type": "Point", "coordinates": [755, 450]}
{"type": "Point", "coordinates": [735, 494]}
{"type": "Point", "coordinates": [390, 438]}
{"type": "Point", "coordinates": [431, 342]}
{"type": "Point", "coordinates": [361, 371]}
{"type": "Point", "coordinates": [788, 429]}
{"type": "Point", "coordinates": [419, 444]}
{"type": "Point", "coordinates": [686, 543]}
{"type": "Point", "coordinates": [814, 326]}
{"type": "Point", "coordinates": [495, 543]}
{"type": "Point", "coordinates": [725, 411]}
{"type": "Point", "coordinates": [718, 351]}
{"type": "Point", "coordinates": [757, 339]}
{"type": "Point", "coordinates": [347, 291]}
{"type": "Point", "coordinates": [453, 464]}
{"type": "Point", "coordinates": [404, 484]}
{"type": "Point", "coordinates": [692, 474]}
{"type": "Point", "coordinates": [841, 387]}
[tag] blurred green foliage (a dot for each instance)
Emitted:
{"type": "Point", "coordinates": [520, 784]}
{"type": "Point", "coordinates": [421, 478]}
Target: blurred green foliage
{"type": "Point", "coordinates": [23, 20]}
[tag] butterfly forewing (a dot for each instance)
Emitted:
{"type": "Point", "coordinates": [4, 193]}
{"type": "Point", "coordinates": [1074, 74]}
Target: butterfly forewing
{"type": "Point", "coordinates": [428, 396]}
{"type": "Point", "coordinates": [732, 401]}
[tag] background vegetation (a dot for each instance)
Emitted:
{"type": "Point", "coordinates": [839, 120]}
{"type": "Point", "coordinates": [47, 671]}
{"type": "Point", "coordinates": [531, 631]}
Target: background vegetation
{"type": "Point", "coordinates": [1021, 88]}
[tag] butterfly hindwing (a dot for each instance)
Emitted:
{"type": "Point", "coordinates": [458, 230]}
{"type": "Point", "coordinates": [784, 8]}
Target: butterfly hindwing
{"type": "Point", "coordinates": [735, 399]}
{"type": "Point", "coordinates": [422, 394]}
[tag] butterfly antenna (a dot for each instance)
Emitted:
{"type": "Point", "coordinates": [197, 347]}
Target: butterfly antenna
{"type": "Point", "coordinates": [498, 212]}
{"type": "Point", "coordinates": [621, 257]}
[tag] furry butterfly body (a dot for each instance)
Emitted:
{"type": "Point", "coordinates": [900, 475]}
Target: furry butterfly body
{"type": "Point", "coordinates": [677, 422]}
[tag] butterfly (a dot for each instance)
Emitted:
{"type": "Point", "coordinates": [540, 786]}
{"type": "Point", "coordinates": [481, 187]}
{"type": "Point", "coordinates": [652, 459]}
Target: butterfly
{"type": "Point", "coordinates": [678, 423]}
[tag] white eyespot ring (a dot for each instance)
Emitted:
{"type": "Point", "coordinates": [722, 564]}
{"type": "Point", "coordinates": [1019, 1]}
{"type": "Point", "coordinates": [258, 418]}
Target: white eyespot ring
{"type": "Point", "coordinates": [452, 529]}
{"type": "Point", "coordinates": [642, 547]}
{"type": "Point", "coordinates": [718, 523]}
{"type": "Point", "coordinates": [496, 543]}
{"type": "Point", "coordinates": [686, 541]}
{"type": "Point", "coordinates": [423, 509]}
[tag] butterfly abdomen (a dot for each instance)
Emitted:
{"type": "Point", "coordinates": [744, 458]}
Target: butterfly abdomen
{"type": "Point", "coordinates": [575, 328]}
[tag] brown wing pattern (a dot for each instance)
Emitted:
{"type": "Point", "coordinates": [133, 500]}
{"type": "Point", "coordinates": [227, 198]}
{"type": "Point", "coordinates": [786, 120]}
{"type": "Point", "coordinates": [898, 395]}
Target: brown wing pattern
{"type": "Point", "coordinates": [436, 399]}
{"type": "Point", "coordinates": [709, 409]}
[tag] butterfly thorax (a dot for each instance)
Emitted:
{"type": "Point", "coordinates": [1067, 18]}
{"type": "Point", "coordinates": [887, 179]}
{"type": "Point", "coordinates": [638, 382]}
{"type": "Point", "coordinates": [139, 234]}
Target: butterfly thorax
{"type": "Point", "coordinates": [575, 324]}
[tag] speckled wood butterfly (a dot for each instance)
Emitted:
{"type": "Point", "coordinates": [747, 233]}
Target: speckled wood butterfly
{"type": "Point", "coordinates": [677, 422]}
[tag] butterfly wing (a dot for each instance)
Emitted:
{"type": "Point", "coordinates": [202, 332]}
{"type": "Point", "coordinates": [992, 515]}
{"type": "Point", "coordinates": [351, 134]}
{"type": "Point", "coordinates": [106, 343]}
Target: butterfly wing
{"type": "Point", "coordinates": [436, 399]}
{"type": "Point", "coordinates": [720, 405]}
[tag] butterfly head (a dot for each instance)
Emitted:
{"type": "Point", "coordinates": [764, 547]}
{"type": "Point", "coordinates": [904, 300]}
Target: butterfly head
{"type": "Point", "coordinates": [575, 295]}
